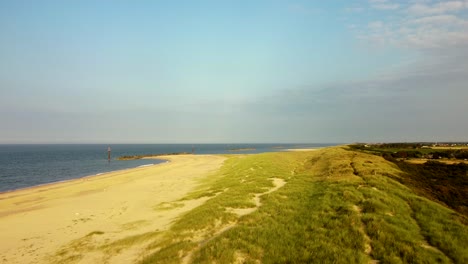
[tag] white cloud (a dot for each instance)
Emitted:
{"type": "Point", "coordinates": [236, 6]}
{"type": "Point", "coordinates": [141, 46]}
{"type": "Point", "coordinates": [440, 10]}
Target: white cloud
{"type": "Point", "coordinates": [387, 6]}
{"type": "Point", "coordinates": [422, 9]}
{"type": "Point", "coordinates": [375, 25]}
{"type": "Point", "coordinates": [440, 20]}
{"type": "Point", "coordinates": [435, 38]}
{"type": "Point", "coordinates": [384, 5]}
{"type": "Point", "coordinates": [421, 24]}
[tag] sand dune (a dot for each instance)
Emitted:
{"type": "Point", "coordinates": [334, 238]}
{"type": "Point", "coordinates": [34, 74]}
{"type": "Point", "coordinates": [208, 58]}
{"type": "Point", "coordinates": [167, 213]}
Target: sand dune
{"type": "Point", "coordinates": [38, 223]}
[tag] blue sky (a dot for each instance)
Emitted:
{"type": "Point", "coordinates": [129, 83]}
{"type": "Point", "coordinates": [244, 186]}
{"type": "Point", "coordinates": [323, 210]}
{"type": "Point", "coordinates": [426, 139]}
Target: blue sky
{"type": "Point", "coordinates": [233, 71]}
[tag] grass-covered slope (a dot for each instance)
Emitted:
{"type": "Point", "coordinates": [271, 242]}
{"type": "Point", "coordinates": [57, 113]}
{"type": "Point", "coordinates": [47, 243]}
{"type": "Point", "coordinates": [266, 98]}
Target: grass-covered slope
{"type": "Point", "coordinates": [327, 206]}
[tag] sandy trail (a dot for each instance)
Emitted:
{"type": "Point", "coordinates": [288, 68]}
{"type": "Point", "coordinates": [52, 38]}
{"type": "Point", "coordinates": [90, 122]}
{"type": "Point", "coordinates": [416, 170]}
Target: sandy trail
{"type": "Point", "coordinates": [35, 223]}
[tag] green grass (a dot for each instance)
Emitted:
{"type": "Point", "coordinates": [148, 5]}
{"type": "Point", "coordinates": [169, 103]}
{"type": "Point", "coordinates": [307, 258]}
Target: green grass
{"type": "Point", "coordinates": [168, 206]}
{"type": "Point", "coordinates": [337, 206]}
{"type": "Point", "coordinates": [438, 181]}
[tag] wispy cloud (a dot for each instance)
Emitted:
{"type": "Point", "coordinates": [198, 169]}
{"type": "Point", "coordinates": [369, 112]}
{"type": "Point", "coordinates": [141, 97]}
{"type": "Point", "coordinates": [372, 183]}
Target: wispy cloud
{"type": "Point", "coordinates": [444, 7]}
{"type": "Point", "coordinates": [419, 24]}
{"type": "Point", "coordinates": [384, 5]}
{"type": "Point", "coordinates": [446, 20]}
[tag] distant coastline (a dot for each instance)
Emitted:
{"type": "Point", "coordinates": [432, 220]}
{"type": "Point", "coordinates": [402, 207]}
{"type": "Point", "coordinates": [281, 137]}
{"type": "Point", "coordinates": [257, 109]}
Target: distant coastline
{"type": "Point", "coordinates": [242, 149]}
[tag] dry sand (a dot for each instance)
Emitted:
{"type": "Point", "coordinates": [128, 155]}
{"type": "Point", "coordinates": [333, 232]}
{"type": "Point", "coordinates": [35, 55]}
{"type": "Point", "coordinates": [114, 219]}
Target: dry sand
{"type": "Point", "coordinates": [36, 223]}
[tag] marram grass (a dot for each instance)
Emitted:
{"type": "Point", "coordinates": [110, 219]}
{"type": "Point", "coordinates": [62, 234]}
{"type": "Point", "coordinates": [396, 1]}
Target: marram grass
{"type": "Point", "coordinates": [337, 206]}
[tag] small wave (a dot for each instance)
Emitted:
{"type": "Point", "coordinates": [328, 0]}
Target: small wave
{"type": "Point", "coordinates": [99, 174]}
{"type": "Point", "coordinates": [146, 165]}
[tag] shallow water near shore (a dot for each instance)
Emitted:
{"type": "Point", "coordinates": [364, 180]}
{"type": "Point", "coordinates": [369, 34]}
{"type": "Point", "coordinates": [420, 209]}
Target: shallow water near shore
{"type": "Point", "coordinates": [23, 166]}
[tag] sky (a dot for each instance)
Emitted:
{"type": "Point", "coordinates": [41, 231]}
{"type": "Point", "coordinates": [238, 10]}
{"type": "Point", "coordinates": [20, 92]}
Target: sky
{"type": "Point", "coordinates": [233, 71]}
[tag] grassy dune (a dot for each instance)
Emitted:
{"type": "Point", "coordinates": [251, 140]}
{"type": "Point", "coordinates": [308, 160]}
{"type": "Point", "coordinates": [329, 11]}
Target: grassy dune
{"type": "Point", "coordinates": [328, 206]}
{"type": "Point", "coordinates": [337, 206]}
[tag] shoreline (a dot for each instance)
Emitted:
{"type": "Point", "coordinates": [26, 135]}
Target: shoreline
{"type": "Point", "coordinates": [86, 176]}
{"type": "Point", "coordinates": [165, 158]}
{"type": "Point", "coordinates": [20, 174]}
{"type": "Point", "coordinates": [37, 222]}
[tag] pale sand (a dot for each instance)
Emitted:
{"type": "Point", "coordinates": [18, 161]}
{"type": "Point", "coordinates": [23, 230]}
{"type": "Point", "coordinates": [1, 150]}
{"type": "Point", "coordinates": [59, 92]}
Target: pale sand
{"type": "Point", "coordinates": [35, 223]}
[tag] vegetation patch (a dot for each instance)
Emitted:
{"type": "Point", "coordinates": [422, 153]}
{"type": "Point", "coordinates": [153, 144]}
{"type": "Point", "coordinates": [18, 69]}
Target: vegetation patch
{"type": "Point", "coordinates": [441, 182]}
{"type": "Point", "coordinates": [336, 206]}
{"type": "Point", "coordinates": [127, 242]}
{"type": "Point", "coordinates": [168, 206]}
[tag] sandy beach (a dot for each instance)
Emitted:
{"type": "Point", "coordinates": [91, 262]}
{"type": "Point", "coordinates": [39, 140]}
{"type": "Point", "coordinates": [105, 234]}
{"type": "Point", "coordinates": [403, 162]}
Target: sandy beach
{"type": "Point", "coordinates": [38, 224]}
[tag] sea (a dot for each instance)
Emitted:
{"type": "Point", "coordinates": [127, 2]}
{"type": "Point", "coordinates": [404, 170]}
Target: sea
{"type": "Point", "coordinates": [23, 166]}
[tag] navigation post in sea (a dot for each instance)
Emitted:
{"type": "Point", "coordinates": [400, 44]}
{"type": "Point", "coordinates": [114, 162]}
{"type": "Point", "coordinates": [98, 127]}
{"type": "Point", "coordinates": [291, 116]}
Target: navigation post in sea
{"type": "Point", "coordinates": [108, 153]}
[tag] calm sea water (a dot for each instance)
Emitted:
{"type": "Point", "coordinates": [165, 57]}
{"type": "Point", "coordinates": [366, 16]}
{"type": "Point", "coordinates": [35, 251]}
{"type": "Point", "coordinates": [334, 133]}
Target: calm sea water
{"type": "Point", "coordinates": [24, 166]}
